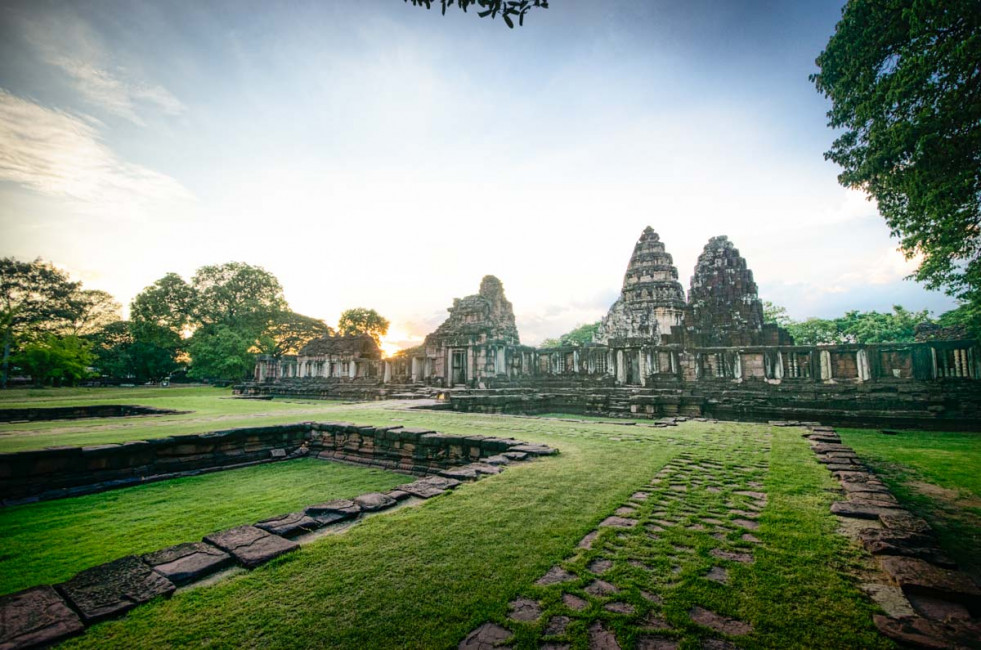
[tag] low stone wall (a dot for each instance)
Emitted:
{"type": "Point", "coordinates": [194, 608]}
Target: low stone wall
{"type": "Point", "coordinates": [43, 615]}
{"type": "Point", "coordinates": [944, 404]}
{"type": "Point", "coordinates": [68, 471]}
{"type": "Point", "coordinates": [36, 414]}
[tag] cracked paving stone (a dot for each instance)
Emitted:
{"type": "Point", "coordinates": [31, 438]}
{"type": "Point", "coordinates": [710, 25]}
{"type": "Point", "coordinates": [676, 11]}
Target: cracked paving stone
{"type": "Point", "coordinates": [639, 496]}
{"type": "Point", "coordinates": [556, 625]}
{"type": "Point", "coordinates": [556, 575]}
{"type": "Point", "coordinates": [251, 546]}
{"type": "Point", "coordinates": [186, 563]}
{"type": "Point", "coordinates": [556, 646]}
{"type": "Point", "coordinates": [600, 566]}
{"type": "Point", "coordinates": [744, 558]}
{"type": "Point", "coordinates": [114, 588]}
{"type": "Point", "coordinates": [654, 622]}
{"type": "Point", "coordinates": [587, 541]}
{"type": "Point", "coordinates": [625, 511]}
{"type": "Point", "coordinates": [717, 644]}
{"type": "Point", "coordinates": [618, 522]}
{"type": "Point", "coordinates": [719, 623]}
{"type": "Point", "coordinates": [746, 523]}
{"type": "Point", "coordinates": [524, 609]}
{"type": "Point", "coordinates": [718, 574]}
{"type": "Point", "coordinates": [651, 598]}
{"type": "Point", "coordinates": [656, 643]}
{"type": "Point", "coordinates": [574, 602]}
{"type": "Point", "coordinates": [752, 539]}
{"type": "Point", "coordinates": [600, 588]}
{"type": "Point", "coordinates": [620, 608]}
{"type": "Point", "coordinates": [601, 638]}
{"type": "Point", "coordinates": [486, 637]}
{"type": "Point", "coordinates": [36, 617]}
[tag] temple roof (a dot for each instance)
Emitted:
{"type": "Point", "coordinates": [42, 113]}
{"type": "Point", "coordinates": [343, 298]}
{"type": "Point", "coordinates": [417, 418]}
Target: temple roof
{"type": "Point", "coordinates": [357, 345]}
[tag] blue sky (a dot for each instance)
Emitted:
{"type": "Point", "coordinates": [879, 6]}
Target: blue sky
{"type": "Point", "coordinates": [376, 154]}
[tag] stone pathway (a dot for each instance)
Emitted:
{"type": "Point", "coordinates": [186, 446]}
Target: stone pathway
{"type": "Point", "coordinates": [928, 603]}
{"type": "Point", "coordinates": [691, 524]}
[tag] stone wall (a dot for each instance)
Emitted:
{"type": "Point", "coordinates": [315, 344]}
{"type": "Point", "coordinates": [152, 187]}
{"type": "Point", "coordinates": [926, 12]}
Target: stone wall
{"type": "Point", "coordinates": [68, 471]}
{"type": "Point", "coordinates": [36, 414]}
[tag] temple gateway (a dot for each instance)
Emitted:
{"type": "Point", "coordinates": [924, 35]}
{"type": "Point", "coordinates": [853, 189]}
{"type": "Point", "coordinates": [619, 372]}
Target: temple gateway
{"type": "Point", "coordinates": [654, 354]}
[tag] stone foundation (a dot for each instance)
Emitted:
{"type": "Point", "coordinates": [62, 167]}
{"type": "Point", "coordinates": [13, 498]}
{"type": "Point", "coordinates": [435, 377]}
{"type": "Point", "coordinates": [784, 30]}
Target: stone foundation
{"type": "Point", "coordinates": [80, 412]}
{"type": "Point", "coordinates": [69, 471]}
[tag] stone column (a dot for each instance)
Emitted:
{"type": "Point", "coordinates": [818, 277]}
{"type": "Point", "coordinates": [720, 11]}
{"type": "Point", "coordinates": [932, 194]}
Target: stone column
{"type": "Point", "coordinates": [737, 366]}
{"type": "Point", "coordinates": [621, 368]}
{"type": "Point", "coordinates": [575, 360]}
{"type": "Point", "coordinates": [387, 376]}
{"type": "Point", "coordinates": [501, 366]}
{"type": "Point", "coordinates": [862, 365]}
{"type": "Point", "coordinates": [778, 366]}
{"type": "Point", "coordinates": [641, 374]}
{"type": "Point", "coordinates": [353, 368]}
{"type": "Point", "coordinates": [826, 374]}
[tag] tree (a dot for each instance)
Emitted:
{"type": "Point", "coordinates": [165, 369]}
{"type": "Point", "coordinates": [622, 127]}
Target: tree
{"type": "Point", "coordinates": [94, 310]}
{"type": "Point", "coordinates": [35, 299]}
{"type": "Point", "coordinates": [363, 321]}
{"type": "Point", "coordinates": [220, 352]}
{"type": "Point", "coordinates": [508, 10]}
{"type": "Point", "coordinates": [58, 360]}
{"type": "Point", "coordinates": [121, 353]}
{"type": "Point", "coordinates": [168, 303]}
{"type": "Point", "coordinates": [905, 86]}
{"type": "Point", "coordinates": [290, 332]}
{"type": "Point", "coordinates": [775, 314]}
{"type": "Point", "coordinates": [873, 327]}
{"type": "Point", "coordinates": [581, 334]}
{"type": "Point", "coordinates": [814, 331]}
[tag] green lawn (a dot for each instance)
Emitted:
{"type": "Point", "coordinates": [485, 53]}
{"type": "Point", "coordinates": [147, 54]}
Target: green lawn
{"type": "Point", "coordinates": [424, 577]}
{"type": "Point", "coordinates": [50, 541]}
{"type": "Point", "coordinates": [938, 476]}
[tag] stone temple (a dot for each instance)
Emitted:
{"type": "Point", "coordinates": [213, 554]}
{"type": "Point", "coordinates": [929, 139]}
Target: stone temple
{"type": "Point", "coordinates": [656, 353]}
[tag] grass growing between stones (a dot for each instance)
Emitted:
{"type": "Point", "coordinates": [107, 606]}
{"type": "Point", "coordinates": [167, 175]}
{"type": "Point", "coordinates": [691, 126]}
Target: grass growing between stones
{"type": "Point", "coordinates": [48, 542]}
{"type": "Point", "coordinates": [937, 475]}
{"type": "Point", "coordinates": [424, 577]}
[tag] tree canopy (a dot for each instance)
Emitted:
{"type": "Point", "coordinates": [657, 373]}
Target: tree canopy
{"type": "Point", "coordinates": [508, 10]}
{"type": "Point", "coordinates": [854, 327]}
{"type": "Point", "coordinates": [363, 321]}
{"type": "Point", "coordinates": [579, 335]}
{"type": "Point", "coordinates": [905, 85]}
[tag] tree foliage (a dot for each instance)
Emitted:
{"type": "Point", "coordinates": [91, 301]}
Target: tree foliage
{"type": "Point", "coordinates": [904, 80]}
{"type": "Point", "coordinates": [854, 327]}
{"type": "Point", "coordinates": [220, 352]}
{"type": "Point", "coordinates": [363, 321]}
{"type": "Point", "coordinates": [290, 332]}
{"type": "Point", "coordinates": [61, 361]}
{"type": "Point", "coordinates": [581, 334]}
{"type": "Point", "coordinates": [508, 10]}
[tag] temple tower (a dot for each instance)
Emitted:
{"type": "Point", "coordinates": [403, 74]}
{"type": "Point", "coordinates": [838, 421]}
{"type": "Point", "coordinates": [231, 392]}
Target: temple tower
{"type": "Point", "coordinates": [652, 301]}
{"type": "Point", "coordinates": [725, 309]}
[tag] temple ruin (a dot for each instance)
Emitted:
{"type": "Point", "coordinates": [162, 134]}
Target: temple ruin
{"type": "Point", "coordinates": [656, 353]}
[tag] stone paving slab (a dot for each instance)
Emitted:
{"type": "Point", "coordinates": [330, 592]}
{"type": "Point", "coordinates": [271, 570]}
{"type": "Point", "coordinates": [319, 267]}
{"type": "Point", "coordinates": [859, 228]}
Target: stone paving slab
{"type": "Point", "coordinates": [374, 501]}
{"type": "Point", "coordinates": [486, 637]}
{"type": "Point", "coordinates": [36, 617]}
{"type": "Point", "coordinates": [251, 546]}
{"type": "Point", "coordinates": [186, 563]}
{"type": "Point", "coordinates": [290, 525]}
{"type": "Point", "coordinates": [111, 589]}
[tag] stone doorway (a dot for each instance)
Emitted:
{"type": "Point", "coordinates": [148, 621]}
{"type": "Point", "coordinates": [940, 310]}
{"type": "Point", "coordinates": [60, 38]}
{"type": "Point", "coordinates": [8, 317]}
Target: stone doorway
{"type": "Point", "coordinates": [458, 372]}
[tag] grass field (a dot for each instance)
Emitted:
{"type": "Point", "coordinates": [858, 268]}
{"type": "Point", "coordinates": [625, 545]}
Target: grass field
{"type": "Point", "coordinates": [424, 577]}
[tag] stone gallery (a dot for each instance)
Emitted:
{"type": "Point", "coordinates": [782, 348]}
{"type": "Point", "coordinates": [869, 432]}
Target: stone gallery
{"type": "Point", "coordinates": [654, 354]}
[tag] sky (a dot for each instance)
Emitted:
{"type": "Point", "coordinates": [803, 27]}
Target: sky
{"type": "Point", "coordinates": [381, 155]}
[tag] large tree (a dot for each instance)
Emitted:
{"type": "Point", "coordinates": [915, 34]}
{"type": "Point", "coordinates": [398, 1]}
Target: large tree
{"type": "Point", "coordinates": [904, 80]}
{"type": "Point", "coordinates": [36, 299]}
{"type": "Point", "coordinates": [56, 360]}
{"type": "Point", "coordinates": [237, 295]}
{"type": "Point", "coordinates": [290, 332]}
{"type": "Point", "coordinates": [363, 321]}
{"type": "Point", "coordinates": [508, 10]}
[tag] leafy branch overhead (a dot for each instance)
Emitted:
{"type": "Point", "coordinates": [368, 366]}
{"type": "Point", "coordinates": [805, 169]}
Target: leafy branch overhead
{"type": "Point", "coordinates": [508, 10]}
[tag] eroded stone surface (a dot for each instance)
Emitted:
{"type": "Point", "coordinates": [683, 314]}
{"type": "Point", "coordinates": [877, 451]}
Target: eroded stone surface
{"type": "Point", "coordinates": [251, 546]}
{"type": "Point", "coordinates": [719, 623]}
{"type": "Point", "coordinates": [486, 637]}
{"type": "Point", "coordinates": [918, 576]}
{"type": "Point", "coordinates": [587, 541]}
{"type": "Point", "coordinates": [718, 574]}
{"type": "Point", "coordinates": [620, 608]}
{"type": "Point", "coordinates": [36, 617]}
{"type": "Point", "coordinates": [374, 501]}
{"type": "Point", "coordinates": [114, 588]}
{"type": "Point", "coordinates": [744, 558]}
{"type": "Point", "coordinates": [618, 522]}
{"type": "Point", "coordinates": [295, 523]}
{"type": "Point", "coordinates": [556, 575]}
{"type": "Point", "coordinates": [187, 563]}
{"type": "Point", "coordinates": [557, 625]}
{"type": "Point", "coordinates": [600, 566]}
{"type": "Point", "coordinates": [524, 609]}
{"type": "Point", "coordinates": [600, 588]}
{"type": "Point", "coordinates": [889, 598]}
{"type": "Point", "coordinates": [574, 602]}
{"type": "Point", "coordinates": [656, 643]}
{"type": "Point", "coordinates": [601, 638]}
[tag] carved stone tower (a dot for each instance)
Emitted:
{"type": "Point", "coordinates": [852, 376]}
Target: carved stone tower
{"type": "Point", "coordinates": [652, 301]}
{"type": "Point", "coordinates": [725, 307]}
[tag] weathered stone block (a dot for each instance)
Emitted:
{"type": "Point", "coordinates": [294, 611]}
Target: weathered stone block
{"type": "Point", "coordinates": [35, 617]}
{"type": "Point", "coordinates": [114, 588]}
{"type": "Point", "coordinates": [251, 546]}
{"type": "Point", "coordinates": [187, 563]}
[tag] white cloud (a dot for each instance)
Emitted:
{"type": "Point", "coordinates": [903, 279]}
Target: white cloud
{"type": "Point", "coordinates": [111, 91]}
{"type": "Point", "coordinates": [56, 153]}
{"type": "Point", "coordinates": [68, 43]}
